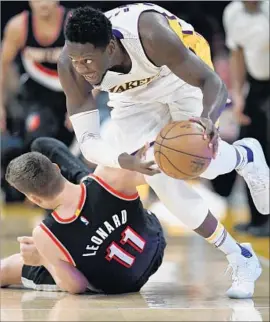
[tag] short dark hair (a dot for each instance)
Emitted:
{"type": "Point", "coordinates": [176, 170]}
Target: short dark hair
{"type": "Point", "coordinates": [34, 173]}
{"type": "Point", "coordinates": [88, 25]}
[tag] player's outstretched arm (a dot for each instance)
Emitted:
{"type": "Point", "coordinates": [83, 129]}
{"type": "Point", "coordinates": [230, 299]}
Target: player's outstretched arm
{"type": "Point", "coordinates": [13, 41]}
{"type": "Point", "coordinates": [65, 275]}
{"type": "Point", "coordinates": [163, 47]}
{"type": "Point", "coordinates": [84, 115]}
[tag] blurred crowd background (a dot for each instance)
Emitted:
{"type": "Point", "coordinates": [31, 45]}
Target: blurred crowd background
{"type": "Point", "coordinates": [29, 109]}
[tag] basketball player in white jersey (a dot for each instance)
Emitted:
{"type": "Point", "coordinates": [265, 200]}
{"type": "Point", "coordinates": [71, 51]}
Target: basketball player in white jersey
{"type": "Point", "coordinates": [156, 68]}
{"type": "Point", "coordinates": [37, 36]}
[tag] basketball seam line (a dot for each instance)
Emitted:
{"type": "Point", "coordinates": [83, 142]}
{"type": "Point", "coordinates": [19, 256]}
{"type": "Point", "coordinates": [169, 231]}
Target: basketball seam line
{"type": "Point", "coordinates": [177, 136]}
{"type": "Point", "coordinates": [188, 175]}
{"type": "Point", "coordinates": [160, 145]}
{"type": "Point", "coordinates": [174, 124]}
{"type": "Point", "coordinates": [192, 155]}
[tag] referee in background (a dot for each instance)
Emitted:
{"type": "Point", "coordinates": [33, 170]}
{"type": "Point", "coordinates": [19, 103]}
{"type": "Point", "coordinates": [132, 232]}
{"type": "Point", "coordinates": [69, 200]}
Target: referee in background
{"type": "Point", "coordinates": [246, 26]}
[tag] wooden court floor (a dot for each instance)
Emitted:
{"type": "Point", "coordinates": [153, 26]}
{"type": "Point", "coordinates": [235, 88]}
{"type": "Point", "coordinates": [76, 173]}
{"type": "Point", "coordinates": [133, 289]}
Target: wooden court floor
{"type": "Point", "coordinates": [190, 286]}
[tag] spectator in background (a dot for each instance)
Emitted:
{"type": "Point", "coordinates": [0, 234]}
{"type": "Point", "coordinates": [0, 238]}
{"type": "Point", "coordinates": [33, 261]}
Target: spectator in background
{"type": "Point", "coordinates": [246, 26]}
{"type": "Point", "coordinates": [37, 36]}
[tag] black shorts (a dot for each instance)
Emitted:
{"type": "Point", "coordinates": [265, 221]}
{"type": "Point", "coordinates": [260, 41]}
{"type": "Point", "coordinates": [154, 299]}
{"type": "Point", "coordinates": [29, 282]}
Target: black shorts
{"type": "Point", "coordinates": [39, 279]}
{"type": "Point", "coordinates": [157, 258]}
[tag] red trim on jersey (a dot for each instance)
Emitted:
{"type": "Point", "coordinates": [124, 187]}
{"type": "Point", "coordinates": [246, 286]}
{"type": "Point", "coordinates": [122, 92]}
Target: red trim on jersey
{"type": "Point", "coordinates": [112, 190]}
{"type": "Point", "coordinates": [77, 212]}
{"type": "Point", "coordinates": [48, 71]}
{"type": "Point", "coordinates": [56, 34]}
{"type": "Point", "coordinates": [58, 243]}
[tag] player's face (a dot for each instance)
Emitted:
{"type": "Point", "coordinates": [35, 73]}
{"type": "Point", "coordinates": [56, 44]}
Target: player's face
{"type": "Point", "coordinates": [90, 62]}
{"type": "Point", "coordinates": [43, 8]}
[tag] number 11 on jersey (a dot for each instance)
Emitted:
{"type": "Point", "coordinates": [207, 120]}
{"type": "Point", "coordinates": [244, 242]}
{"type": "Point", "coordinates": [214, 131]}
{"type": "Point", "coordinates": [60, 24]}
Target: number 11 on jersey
{"type": "Point", "coordinates": [117, 253]}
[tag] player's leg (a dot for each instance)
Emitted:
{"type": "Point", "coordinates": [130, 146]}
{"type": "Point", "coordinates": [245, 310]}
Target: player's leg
{"type": "Point", "coordinates": [14, 272]}
{"type": "Point", "coordinates": [71, 167]}
{"type": "Point", "coordinates": [245, 156]}
{"type": "Point", "coordinates": [157, 259]}
{"type": "Point", "coordinates": [38, 279]}
{"type": "Point", "coordinates": [184, 202]}
{"type": "Point", "coordinates": [11, 270]}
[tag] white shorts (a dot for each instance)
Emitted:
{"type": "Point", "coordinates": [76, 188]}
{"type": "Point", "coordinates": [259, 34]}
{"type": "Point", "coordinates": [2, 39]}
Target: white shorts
{"type": "Point", "coordinates": [136, 124]}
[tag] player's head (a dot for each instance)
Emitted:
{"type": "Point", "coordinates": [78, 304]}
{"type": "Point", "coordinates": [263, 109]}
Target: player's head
{"type": "Point", "coordinates": [34, 175]}
{"type": "Point", "coordinates": [43, 8]}
{"type": "Point", "coordinates": [90, 43]}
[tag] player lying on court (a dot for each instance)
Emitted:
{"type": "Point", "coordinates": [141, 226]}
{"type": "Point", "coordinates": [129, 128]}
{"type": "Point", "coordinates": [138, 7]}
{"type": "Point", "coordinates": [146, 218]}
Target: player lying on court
{"type": "Point", "coordinates": [157, 69]}
{"type": "Point", "coordinates": [91, 222]}
{"type": "Point", "coordinates": [97, 238]}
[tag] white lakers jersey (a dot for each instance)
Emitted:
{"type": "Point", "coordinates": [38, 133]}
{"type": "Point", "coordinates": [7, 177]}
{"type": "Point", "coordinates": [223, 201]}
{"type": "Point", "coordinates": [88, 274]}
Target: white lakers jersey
{"type": "Point", "coordinates": [143, 73]}
{"type": "Point", "coordinates": [143, 100]}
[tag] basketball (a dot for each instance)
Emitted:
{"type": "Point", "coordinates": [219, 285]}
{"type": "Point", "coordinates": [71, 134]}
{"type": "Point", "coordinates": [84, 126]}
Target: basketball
{"type": "Point", "coordinates": [180, 150]}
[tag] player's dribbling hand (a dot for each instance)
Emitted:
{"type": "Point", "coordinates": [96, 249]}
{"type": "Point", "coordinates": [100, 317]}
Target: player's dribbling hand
{"type": "Point", "coordinates": [211, 132]}
{"type": "Point", "coordinates": [29, 251]}
{"type": "Point", "coordinates": [137, 162]}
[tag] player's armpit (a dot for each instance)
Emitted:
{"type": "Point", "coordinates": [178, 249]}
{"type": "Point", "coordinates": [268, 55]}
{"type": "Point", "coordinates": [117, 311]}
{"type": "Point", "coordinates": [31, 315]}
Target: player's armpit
{"type": "Point", "coordinates": [164, 47]}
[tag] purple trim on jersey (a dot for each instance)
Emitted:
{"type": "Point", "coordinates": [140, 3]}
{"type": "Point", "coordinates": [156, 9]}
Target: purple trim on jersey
{"type": "Point", "coordinates": [151, 144]}
{"type": "Point", "coordinates": [118, 34]}
{"type": "Point", "coordinates": [169, 17]}
{"type": "Point", "coordinates": [228, 104]}
{"type": "Point", "coordinates": [187, 32]}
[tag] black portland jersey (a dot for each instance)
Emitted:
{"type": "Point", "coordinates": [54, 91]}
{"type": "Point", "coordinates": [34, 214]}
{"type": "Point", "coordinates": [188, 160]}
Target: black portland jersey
{"type": "Point", "coordinates": [111, 239]}
{"type": "Point", "coordinates": [40, 61]}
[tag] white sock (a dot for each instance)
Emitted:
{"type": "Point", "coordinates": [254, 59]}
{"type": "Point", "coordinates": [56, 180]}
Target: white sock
{"type": "Point", "coordinates": [224, 241]}
{"type": "Point", "coordinates": [225, 161]}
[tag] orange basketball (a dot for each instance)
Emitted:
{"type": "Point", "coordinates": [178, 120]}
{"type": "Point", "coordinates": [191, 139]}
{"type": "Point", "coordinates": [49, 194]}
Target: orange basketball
{"type": "Point", "coordinates": [180, 150]}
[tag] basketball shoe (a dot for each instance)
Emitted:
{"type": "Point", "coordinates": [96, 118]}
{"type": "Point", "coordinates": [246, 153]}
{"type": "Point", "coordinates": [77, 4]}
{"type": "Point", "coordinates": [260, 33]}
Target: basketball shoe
{"type": "Point", "coordinates": [245, 270]}
{"type": "Point", "coordinates": [256, 173]}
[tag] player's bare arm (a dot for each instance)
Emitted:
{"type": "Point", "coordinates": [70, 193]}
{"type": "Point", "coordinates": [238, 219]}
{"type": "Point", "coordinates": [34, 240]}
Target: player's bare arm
{"type": "Point", "coordinates": [164, 47]}
{"type": "Point", "coordinates": [238, 76]}
{"type": "Point", "coordinates": [13, 41]}
{"type": "Point", "coordinates": [84, 115]}
{"type": "Point", "coordinates": [65, 275]}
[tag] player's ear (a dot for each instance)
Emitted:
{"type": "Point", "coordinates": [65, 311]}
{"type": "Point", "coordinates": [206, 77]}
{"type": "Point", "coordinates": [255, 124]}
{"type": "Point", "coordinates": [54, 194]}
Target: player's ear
{"type": "Point", "coordinates": [111, 47]}
{"type": "Point", "coordinates": [34, 199]}
{"type": "Point", "coordinates": [57, 166]}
